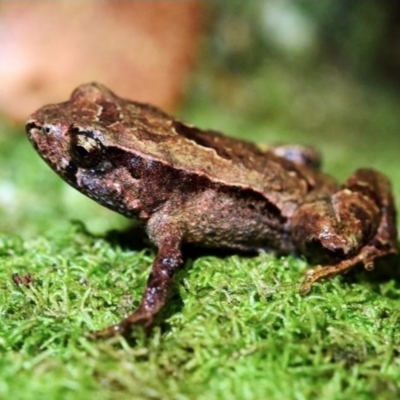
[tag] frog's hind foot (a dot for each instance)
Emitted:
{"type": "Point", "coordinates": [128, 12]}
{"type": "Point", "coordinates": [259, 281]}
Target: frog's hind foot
{"type": "Point", "coordinates": [367, 256]}
{"type": "Point", "coordinates": [125, 327]}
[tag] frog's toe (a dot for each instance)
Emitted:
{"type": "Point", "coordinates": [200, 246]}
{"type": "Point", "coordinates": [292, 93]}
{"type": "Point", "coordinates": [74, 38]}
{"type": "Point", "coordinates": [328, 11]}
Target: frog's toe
{"type": "Point", "coordinates": [111, 331]}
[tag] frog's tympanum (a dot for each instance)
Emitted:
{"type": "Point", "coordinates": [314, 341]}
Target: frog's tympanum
{"type": "Point", "coordinates": [191, 186]}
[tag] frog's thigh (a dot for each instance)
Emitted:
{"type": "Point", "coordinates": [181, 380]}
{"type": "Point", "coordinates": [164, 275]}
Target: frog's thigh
{"type": "Point", "coordinates": [334, 226]}
{"type": "Point", "coordinates": [374, 185]}
{"type": "Point", "coordinates": [335, 232]}
{"type": "Point", "coordinates": [356, 225]}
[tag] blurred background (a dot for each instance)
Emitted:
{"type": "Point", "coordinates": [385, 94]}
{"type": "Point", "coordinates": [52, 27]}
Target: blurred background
{"type": "Point", "coordinates": [321, 73]}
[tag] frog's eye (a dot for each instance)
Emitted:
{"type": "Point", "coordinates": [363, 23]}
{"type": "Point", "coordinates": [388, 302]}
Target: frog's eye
{"type": "Point", "coordinates": [85, 150]}
{"type": "Point", "coordinates": [46, 130]}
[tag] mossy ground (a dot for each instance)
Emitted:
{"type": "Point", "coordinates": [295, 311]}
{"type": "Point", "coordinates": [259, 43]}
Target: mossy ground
{"type": "Point", "coordinates": [236, 328]}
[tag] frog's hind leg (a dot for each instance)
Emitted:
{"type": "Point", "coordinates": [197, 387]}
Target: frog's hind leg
{"type": "Point", "coordinates": [357, 224]}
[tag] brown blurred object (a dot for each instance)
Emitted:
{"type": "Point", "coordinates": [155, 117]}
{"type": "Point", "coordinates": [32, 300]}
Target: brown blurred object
{"type": "Point", "coordinates": [143, 50]}
{"type": "Point", "coordinates": [22, 280]}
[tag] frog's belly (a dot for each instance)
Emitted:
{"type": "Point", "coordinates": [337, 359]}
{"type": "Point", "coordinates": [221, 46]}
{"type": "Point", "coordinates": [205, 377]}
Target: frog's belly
{"type": "Point", "coordinates": [235, 221]}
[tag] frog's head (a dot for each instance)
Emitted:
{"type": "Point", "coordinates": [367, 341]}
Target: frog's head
{"type": "Point", "coordinates": [73, 139]}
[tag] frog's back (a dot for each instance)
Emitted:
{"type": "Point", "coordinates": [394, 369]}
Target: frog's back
{"type": "Point", "coordinates": [154, 135]}
{"type": "Point", "coordinates": [224, 160]}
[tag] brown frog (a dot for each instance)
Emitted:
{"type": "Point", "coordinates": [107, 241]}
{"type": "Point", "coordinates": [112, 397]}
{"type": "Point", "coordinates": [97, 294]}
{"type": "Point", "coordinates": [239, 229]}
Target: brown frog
{"type": "Point", "coordinates": [187, 185]}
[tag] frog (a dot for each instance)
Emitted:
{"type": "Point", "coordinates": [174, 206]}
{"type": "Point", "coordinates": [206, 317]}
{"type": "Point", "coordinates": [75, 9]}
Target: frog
{"type": "Point", "coordinates": [189, 186]}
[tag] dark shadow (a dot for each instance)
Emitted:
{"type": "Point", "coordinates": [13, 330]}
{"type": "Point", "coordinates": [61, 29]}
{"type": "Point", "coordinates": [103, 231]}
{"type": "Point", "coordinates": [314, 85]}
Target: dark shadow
{"type": "Point", "coordinates": [386, 268]}
{"type": "Point", "coordinates": [132, 238]}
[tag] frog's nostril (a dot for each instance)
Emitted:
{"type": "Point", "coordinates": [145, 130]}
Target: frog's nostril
{"type": "Point", "coordinates": [31, 125]}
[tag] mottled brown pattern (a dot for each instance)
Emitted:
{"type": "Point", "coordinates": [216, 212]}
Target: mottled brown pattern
{"type": "Point", "coordinates": [188, 185]}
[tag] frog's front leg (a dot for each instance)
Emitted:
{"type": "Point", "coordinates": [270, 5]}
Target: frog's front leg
{"type": "Point", "coordinates": [168, 260]}
{"type": "Point", "coordinates": [357, 224]}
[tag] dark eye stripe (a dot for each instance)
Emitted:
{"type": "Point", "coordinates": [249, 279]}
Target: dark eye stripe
{"type": "Point", "coordinates": [70, 172]}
